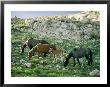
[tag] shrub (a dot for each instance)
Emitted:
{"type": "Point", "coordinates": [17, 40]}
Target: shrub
{"type": "Point", "coordinates": [95, 35]}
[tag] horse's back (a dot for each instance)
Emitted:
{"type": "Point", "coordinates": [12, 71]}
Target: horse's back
{"type": "Point", "coordinates": [43, 47]}
{"type": "Point", "coordinates": [43, 42]}
{"type": "Point", "coordinates": [32, 42]}
{"type": "Point", "coordinates": [80, 52]}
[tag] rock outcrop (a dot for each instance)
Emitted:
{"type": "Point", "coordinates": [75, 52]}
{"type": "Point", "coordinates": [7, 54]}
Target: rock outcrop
{"type": "Point", "coordinates": [74, 26]}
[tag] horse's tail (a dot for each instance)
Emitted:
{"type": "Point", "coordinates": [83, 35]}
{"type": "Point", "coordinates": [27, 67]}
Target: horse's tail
{"type": "Point", "coordinates": [24, 45]}
{"type": "Point", "coordinates": [91, 60]}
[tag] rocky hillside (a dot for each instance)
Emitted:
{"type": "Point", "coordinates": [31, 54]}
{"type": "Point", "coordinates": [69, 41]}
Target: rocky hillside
{"type": "Point", "coordinates": [66, 32]}
{"type": "Point", "coordinates": [72, 26]}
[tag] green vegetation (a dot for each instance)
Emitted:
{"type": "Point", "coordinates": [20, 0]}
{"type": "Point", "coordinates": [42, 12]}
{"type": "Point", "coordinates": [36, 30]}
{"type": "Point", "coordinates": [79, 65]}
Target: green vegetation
{"type": "Point", "coordinates": [18, 23]}
{"type": "Point", "coordinates": [86, 33]}
{"type": "Point", "coordinates": [43, 67]}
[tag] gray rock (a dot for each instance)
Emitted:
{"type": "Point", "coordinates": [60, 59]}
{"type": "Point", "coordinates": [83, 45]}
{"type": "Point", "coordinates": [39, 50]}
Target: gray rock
{"type": "Point", "coordinates": [95, 72]}
{"type": "Point", "coordinates": [28, 65]}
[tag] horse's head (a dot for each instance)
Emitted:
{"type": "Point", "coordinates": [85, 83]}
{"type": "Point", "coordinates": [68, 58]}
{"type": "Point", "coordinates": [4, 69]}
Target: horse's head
{"type": "Point", "coordinates": [66, 62]}
{"type": "Point", "coordinates": [24, 44]}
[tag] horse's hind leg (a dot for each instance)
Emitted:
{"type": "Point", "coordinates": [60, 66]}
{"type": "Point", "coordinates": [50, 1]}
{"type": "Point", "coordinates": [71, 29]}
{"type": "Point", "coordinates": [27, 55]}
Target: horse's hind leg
{"type": "Point", "coordinates": [88, 63]}
{"type": "Point", "coordinates": [87, 57]}
{"type": "Point", "coordinates": [90, 58]}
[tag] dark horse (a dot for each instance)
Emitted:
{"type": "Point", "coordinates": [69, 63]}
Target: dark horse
{"type": "Point", "coordinates": [77, 53]}
{"type": "Point", "coordinates": [31, 43]}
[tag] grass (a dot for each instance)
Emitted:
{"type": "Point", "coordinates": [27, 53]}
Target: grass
{"type": "Point", "coordinates": [43, 67]}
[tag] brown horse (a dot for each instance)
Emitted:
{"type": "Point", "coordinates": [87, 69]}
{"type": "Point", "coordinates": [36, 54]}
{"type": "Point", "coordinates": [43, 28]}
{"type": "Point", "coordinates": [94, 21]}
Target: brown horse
{"type": "Point", "coordinates": [41, 49]}
{"type": "Point", "coordinates": [31, 43]}
{"type": "Point", "coordinates": [57, 54]}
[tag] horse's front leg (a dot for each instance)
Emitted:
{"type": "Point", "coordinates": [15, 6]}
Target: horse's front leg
{"type": "Point", "coordinates": [78, 61]}
{"type": "Point", "coordinates": [39, 54]}
{"type": "Point", "coordinates": [54, 58]}
{"type": "Point", "coordinates": [45, 54]}
{"type": "Point", "coordinates": [74, 62]}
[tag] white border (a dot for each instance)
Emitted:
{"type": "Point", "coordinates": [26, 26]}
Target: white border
{"type": "Point", "coordinates": [55, 80]}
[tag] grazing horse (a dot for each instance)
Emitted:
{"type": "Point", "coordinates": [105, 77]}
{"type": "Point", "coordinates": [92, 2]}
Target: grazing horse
{"type": "Point", "coordinates": [31, 43]}
{"type": "Point", "coordinates": [77, 53]}
{"type": "Point", "coordinates": [41, 49]}
{"type": "Point", "coordinates": [57, 53]}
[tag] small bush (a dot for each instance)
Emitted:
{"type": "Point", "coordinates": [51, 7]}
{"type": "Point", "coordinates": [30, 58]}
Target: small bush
{"type": "Point", "coordinates": [94, 35]}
